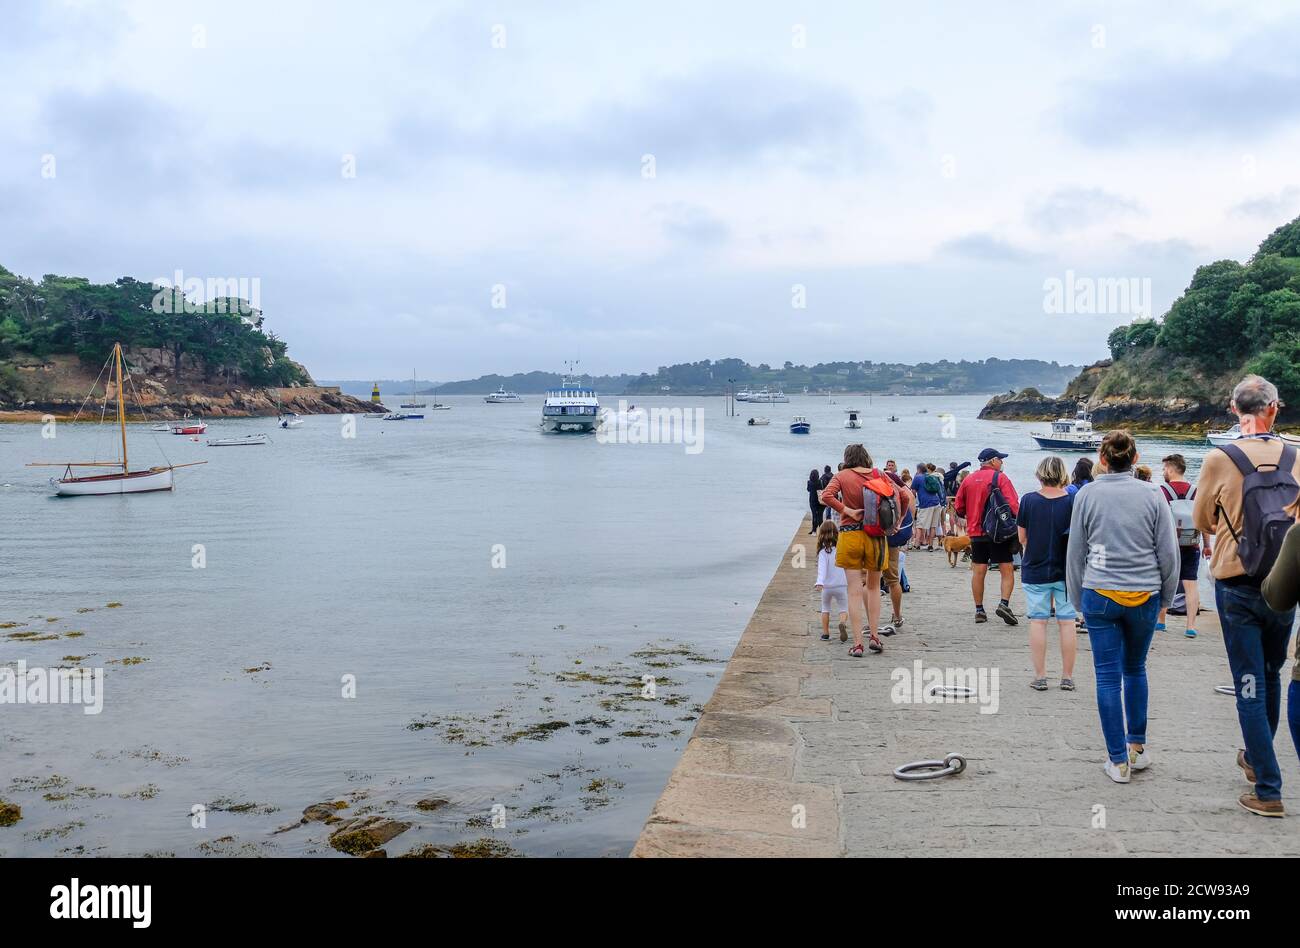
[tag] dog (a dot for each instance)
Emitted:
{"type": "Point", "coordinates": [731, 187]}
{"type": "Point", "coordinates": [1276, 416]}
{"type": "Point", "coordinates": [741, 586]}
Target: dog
{"type": "Point", "coordinates": [954, 546]}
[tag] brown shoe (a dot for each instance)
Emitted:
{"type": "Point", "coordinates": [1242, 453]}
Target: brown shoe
{"type": "Point", "coordinates": [1249, 770]}
{"type": "Point", "coordinates": [1260, 807]}
{"type": "Point", "coordinates": [844, 632]}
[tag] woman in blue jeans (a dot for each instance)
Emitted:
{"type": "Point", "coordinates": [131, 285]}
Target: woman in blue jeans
{"type": "Point", "coordinates": [1121, 567]}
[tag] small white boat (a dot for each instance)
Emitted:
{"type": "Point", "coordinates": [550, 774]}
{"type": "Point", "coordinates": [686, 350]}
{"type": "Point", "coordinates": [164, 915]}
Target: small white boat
{"type": "Point", "coordinates": [237, 442]}
{"type": "Point", "coordinates": [1070, 434]}
{"type": "Point", "coordinates": [413, 403]}
{"type": "Point", "coordinates": [1228, 436]}
{"type": "Point", "coordinates": [189, 426]}
{"type": "Point", "coordinates": [800, 425]}
{"type": "Point", "coordinates": [756, 422]}
{"type": "Point", "coordinates": [853, 421]}
{"type": "Point", "coordinates": [291, 420]}
{"type": "Point", "coordinates": [403, 416]}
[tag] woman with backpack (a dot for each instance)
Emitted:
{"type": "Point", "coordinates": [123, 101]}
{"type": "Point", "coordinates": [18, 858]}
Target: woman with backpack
{"type": "Point", "coordinates": [1121, 567]}
{"type": "Point", "coordinates": [869, 512]}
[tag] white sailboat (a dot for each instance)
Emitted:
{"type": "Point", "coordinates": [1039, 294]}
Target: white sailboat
{"type": "Point", "coordinates": [414, 402]}
{"type": "Point", "coordinates": [123, 481]}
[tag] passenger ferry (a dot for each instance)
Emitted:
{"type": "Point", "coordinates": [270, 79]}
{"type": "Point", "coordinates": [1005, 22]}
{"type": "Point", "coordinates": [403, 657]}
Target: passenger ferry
{"type": "Point", "coordinates": [768, 398]}
{"type": "Point", "coordinates": [501, 397]}
{"type": "Point", "coordinates": [1070, 434]}
{"type": "Point", "coordinates": [571, 407]}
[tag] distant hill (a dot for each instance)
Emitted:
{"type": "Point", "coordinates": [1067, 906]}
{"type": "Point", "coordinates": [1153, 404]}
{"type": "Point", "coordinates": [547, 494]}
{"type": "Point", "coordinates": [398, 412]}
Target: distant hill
{"type": "Point", "coordinates": [711, 378]}
{"type": "Point", "coordinates": [1178, 372]}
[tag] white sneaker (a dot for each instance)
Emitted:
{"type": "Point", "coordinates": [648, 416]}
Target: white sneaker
{"type": "Point", "coordinates": [1117, 772]}
{"type": "Point", "coordinates": [1139, 761]}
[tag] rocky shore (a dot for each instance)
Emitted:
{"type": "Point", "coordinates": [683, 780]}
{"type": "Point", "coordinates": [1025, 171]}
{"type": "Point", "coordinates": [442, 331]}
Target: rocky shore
{"type": "Point", "coordinates": [58, 386]}
{"type": "Point", "coordinates": [1165, 416]}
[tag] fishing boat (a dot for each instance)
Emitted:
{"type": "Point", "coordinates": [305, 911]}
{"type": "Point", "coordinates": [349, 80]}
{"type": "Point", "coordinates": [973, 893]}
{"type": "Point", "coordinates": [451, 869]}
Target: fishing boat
{"type": "Point", "coordinates": [502, 397]}
{"type": "Point", "coordinates": [413, 403]}
{"type": "Point", "coordinates": [124, 481]}
{"type": "Point", "coordinates": [852, 421]}
{"type": "Point", "coordinates": [756, 422]}
{"type": "Point", "coordinates": [1070, 434]}
{"type": "Point", "coordinates": [572, 406]}
{"type": "Point", "coordinates": [1226, 436]}
{"type": "Point", "coordinates": [800, 425]}
{"type": "Point", "coordinates": [237, 442]}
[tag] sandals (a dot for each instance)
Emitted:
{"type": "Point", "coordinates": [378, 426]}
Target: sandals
{"type": "Point", "coordinates": [856, 651]}
{"type": "Point", "coordinates": [873, 643]}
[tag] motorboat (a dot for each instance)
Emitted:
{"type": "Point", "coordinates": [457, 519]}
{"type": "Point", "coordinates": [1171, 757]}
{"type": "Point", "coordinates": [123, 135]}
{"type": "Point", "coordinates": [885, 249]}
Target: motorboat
{"type": "Point", "coordinates": [502, 397]}
{"type": "Point", "coordinates": [1070, 434]}
{"type": "Point", "coordinates": [800, 425]}
{"type": "Point", "coordinates": [188, 426]}
{"type": "Point", "coordinates": [403, 416]}
{"type": "Point", "coordinates": [291, 420]}
{"type": "Point", "coordinates": [853, 421]}
{"type": "Point", "coordinates": [756, 422]}
{"type": "Point", "coordinates": [1226, 436]}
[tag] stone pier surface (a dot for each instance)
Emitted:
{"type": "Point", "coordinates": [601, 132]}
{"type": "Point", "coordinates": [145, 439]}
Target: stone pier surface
{"type": "Point", "coordinates": [794, 753]}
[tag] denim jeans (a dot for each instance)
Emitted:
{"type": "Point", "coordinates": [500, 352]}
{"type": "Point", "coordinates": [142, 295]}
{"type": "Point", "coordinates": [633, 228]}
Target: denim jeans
{"type": "Point", "coordinates": [1121, 637]}
{"type": "Point", "coordinates": [1256, 638]}
{"type": "Point", "coordinates": [1293, 712]}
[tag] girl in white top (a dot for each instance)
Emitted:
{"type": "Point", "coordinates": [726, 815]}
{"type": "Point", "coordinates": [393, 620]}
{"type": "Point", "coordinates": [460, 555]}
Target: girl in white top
{"type": "Point", "coordinates": [831, 581]}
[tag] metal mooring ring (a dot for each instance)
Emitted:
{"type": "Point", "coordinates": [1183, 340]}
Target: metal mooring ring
{"type": "Point", "coordinates": [951, 691]}
{"type": "Point", "coordinates": [1225, 690]}
{"type": "Point", "coordinates": [927, 769]}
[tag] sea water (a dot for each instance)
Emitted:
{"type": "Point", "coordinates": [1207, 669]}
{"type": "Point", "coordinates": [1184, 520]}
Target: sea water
{"type": "Point", "coordinates": [499, 636]}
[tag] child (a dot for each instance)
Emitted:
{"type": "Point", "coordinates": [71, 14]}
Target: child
{"type": "Point", "coordinates": [831, 581]}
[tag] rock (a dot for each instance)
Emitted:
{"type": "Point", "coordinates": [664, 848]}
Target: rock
{"type": "Point", "coordinates": [431, 803]}
{"type": "Point", "coordinates": [375, 854]}
{"type": "Point", "coordinates": [10, 813]}
{"type": "Point", "coordinates": [321, 812]}
{"type": "Point", "coordinates": [361, 835]}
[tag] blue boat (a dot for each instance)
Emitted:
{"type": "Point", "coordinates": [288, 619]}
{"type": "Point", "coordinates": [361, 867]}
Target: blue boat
{"type": "Point", "coordinates": [800, 425]}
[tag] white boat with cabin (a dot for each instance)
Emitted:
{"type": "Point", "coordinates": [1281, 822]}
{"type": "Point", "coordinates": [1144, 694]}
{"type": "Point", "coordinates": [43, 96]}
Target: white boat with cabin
{"type": "Point", "coordinates": [853, 421]}
{"type": "Point", "coordinates": [502, 397]}
{"type": "Point", "coordinates": [1070, 434]}
{"type": "Point", "coordinates": [572, 406]}
{"type": "Point", "coordinates": [1226, 436]}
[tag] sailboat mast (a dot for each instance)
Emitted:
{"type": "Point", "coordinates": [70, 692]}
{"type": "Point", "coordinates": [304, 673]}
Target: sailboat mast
{"type": "Point", "coordinates": [121, 401]}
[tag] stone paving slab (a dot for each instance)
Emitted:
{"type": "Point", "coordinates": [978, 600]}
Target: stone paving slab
{"type": "Point", "coordinates": [794, 753]}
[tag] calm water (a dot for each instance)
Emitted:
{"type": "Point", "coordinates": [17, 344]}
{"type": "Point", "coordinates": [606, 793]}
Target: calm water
{"type": "Point", "coordinates": [513, 686]}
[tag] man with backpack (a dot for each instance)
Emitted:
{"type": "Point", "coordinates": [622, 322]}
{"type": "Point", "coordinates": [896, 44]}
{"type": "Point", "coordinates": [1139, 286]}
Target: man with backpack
{"type": "Point", "coordinates": [1245, 488]}
{"type": "Point", "coordinates": [928, 487]}
{"type": "Point", "coordinates": [988, 501]}
{"type": "Point", "coordinates": [1191, 542]}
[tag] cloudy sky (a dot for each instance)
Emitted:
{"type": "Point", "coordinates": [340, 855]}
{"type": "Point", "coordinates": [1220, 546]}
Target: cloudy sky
{"type": "Point", "coordinates": [648, 182]}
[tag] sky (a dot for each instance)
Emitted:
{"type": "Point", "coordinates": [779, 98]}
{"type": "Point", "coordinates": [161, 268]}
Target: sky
{"type": "Point", "coordinates": [465, 188]}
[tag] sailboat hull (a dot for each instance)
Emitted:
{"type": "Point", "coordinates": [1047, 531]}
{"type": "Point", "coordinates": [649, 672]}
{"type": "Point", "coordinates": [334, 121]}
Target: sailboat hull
{"type": "Point", "coordinates": [137, 482]}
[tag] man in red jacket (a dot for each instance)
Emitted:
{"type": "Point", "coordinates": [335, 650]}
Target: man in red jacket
{"type": "Point", "coordinates": [971, 498]}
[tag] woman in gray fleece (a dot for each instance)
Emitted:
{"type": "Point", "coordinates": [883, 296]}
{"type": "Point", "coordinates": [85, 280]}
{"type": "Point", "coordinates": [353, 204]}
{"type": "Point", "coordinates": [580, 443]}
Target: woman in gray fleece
{"type": "Point", "coordinates": [1121, 568]}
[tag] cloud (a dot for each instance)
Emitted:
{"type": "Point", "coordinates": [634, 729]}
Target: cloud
{"type": "Point", "coordinates": [691, 224]}
{"type": "Point", "coordinates": [1074, 208]}
{"type": "Point", "coordinates": [1253, 89]}
{"type": "Point", "coordinates": [717, 117]}
{"type": "Point", "coordinates": [1278, 206]}
{"type": "Point", "coordinates": [985, 248]}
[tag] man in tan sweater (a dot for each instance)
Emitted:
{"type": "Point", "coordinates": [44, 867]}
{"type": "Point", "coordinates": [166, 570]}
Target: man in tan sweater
{"type": "Point", "coordinates": [1254, 635]}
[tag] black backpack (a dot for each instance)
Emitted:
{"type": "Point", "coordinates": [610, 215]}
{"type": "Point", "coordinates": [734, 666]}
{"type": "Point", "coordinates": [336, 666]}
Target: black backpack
{"type": "Point", "coordinates": [1265, 493]}
{"type": "Point", "coordinates": [999, 522]}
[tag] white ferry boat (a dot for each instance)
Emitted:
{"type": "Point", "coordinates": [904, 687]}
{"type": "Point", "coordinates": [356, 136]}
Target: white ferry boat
{"type": "Point", "coordinates": [1070, 434]}
{"type": "Point", "coordinates": [571, 407]}
{"type": "Point", "coordinates": [744, 395]}
{"type": "Point", "coordinates": [768, 398]}
{"type": "Point", "coordinates": [501, 397]}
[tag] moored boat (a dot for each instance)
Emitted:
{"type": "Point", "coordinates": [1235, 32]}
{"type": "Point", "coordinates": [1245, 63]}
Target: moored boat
{"type": "Point", "coordinates": [757, 422]}
{"type": "Point", "coordinates": [124, 481]}
{"type": "Point", "coordinates": [1227, 436]}
{"type": "Point", "coordinates": [237, 442]}
{"type": "Point", "coordinates": [800, 425]}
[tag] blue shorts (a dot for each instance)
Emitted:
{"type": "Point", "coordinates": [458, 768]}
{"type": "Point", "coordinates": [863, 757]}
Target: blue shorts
{"type": "Point", "coordinates": [1038, 601]}
{"type": "Point", "coordinates": [1189, 562]}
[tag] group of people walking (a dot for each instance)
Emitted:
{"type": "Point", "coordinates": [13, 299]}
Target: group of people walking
{"type": "Point", "coordinates": [1103, 548]}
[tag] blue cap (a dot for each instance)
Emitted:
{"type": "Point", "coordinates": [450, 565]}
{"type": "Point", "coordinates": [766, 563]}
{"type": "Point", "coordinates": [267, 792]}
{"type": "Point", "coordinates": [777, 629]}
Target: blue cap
{"type": "Point", "coordinates": [988, 454]}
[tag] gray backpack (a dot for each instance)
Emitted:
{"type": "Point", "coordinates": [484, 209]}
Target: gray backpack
{"type": "Point", "coordinates": [1266, 492]}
